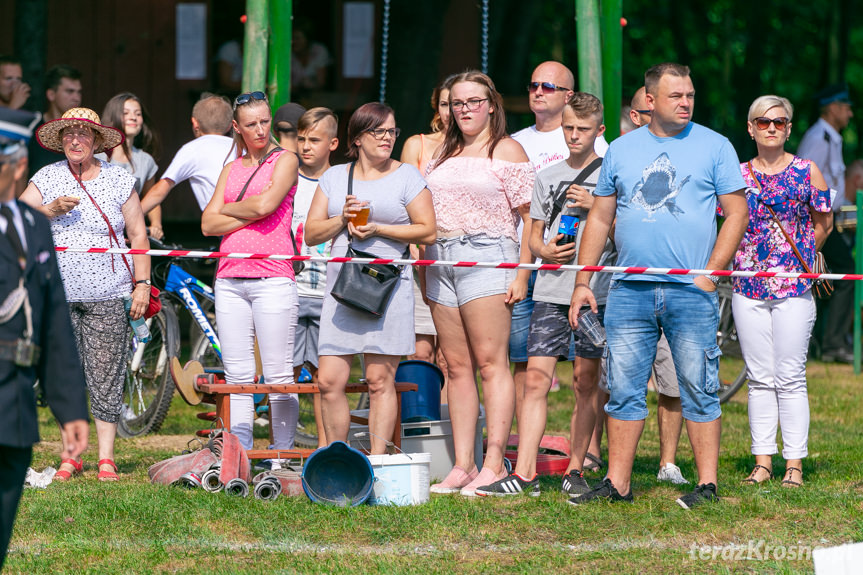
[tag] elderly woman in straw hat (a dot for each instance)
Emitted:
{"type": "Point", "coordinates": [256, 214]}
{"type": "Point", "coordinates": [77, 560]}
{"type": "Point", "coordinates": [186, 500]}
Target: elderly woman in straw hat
{"type": "Point", "coordinates": [91, 203]}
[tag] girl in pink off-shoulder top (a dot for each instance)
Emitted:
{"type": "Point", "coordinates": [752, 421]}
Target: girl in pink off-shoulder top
{"type": "Point", "coordinates": [481, 181]}
{"type": "Point", "coordinates": [256, 299]}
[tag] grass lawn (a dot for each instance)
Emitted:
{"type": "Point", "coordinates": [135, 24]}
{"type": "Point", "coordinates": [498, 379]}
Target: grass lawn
{"type": "Point", "coordinates": [135, 527]}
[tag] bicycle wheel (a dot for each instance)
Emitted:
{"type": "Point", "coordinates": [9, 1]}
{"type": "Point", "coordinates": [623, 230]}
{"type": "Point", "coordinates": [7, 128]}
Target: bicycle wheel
{"type": "Point", "coordinates": [149, 388]}
{"type": "Point", "coordinates": [732, 369]}
{"type": "Point", "coordinates": [204, 353]}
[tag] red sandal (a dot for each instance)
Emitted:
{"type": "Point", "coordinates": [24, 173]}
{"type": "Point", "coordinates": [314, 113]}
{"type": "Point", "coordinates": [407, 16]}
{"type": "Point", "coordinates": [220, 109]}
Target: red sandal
{"type": "Point", "coordinates": [64, 475]}
{"type": "Point", "coordinates": [107, 475]}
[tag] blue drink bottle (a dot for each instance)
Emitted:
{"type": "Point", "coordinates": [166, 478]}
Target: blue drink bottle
{"type": "Point", "coordinates": [569, 228]}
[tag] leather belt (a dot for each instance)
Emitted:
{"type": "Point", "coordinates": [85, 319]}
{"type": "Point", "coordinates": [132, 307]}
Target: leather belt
{"type": "Point", "coordinates": [20, 351]}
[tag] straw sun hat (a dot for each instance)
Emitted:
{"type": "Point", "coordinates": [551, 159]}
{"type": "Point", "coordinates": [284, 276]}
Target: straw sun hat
{"type": "Point", "coordinates": [49, 134]}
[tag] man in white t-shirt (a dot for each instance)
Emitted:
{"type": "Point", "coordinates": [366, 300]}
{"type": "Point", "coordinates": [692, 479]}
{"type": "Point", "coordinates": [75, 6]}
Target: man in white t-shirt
{"type": "Point", "coordinates": [201, 160]}
{"type": "Point", "coordinates": [316, 139]}
{"type": "Point", "coordinates": [551, 85]}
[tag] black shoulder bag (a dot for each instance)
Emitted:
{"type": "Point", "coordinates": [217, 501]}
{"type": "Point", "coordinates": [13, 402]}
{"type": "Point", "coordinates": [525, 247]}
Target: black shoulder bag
{"type": "Point", "coordinates": [579, 179]}
{"type": "Point", "coordinates": [365, 287]}
{"type": "Point", "coordinates": [297, 265]}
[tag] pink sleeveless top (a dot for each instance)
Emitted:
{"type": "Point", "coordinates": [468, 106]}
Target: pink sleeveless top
{"type": "Point", "coordinates": [270, 235]}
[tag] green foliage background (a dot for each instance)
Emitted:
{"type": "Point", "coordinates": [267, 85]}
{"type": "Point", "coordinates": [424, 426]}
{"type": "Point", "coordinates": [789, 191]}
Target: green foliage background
{"type": "Point", "coordinates": [737, 50]}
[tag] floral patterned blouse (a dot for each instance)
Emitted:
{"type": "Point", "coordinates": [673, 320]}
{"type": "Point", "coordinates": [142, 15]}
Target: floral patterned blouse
{"type": "Point", "coordinates": [764, 248]}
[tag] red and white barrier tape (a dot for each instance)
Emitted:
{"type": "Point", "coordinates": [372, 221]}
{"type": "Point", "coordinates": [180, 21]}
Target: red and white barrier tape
{"type": "Point", "coordinates": [444, 263]}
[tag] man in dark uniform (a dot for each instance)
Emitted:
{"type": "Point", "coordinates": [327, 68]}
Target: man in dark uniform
{"type": "Point", "coordinates": [35, 340]}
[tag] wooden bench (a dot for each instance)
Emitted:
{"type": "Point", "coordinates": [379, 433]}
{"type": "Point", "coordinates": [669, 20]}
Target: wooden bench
{"type": "Point", "coordinates": [219, 392]}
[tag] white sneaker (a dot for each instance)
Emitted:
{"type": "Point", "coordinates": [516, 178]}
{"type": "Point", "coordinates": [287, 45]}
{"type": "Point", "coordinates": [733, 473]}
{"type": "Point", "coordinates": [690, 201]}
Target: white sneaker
{"type": "Point", "coordinates": [671, 473]}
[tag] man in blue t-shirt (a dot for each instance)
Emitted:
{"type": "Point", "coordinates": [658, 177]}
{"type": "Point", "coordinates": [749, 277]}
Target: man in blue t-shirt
{"type": "Point", "coordinates": [661, 184]}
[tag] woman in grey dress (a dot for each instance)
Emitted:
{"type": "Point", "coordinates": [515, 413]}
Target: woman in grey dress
{"type": "Point", "coordinates": [401, 213]}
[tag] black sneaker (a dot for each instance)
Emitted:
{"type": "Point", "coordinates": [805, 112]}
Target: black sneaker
{"type": "Point", "coordinates": [512, 484]}
{"type": "Point", "coordinates": [574, 483]}
{"type": "Point", "coordinates": [706, 492]}
{"type": "Point", "coordinates": [604, 490]}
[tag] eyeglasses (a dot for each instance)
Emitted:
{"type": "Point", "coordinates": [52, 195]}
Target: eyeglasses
{"type": "Point", "coordinates": [763, 123]}
{"type": "Point", "coordinates": [381, 133]}
{"type": "Point", "coordinates": [248, 97]}
{"type": "Point", "coordinates": [547, 87]}
{"type": "Point", "coordinates": [471, 105]}
{"type": "Point", "coordinates": [645, 112]}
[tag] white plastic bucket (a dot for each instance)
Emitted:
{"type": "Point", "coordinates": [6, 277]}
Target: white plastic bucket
{"type": "Point", "coordinates": [401, 479]}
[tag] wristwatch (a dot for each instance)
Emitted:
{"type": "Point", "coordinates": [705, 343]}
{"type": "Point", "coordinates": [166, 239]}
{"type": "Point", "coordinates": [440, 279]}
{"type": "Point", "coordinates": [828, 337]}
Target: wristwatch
{"type": "Point", "coordinates": [714, 278]}
{"type": "Point", "coordinates": [147, 283]}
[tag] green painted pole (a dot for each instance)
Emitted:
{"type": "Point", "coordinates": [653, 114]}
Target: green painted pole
{"type": "Point", "coordinates": [612, 56]}
{"type": "Point", "coordinates": [858, 285]}
{"type": "Point", "coordinates": [589, 46]}
{"type": "Point", "coordinates": [254, 43]}
{"type": "Point", "coordinates": [279, 62]}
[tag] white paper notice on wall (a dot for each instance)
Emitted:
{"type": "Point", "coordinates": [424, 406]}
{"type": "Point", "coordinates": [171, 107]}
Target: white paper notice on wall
{"type": "Point", "coordinates": [191, 43]}
{"type": "Point", "coordinates": [358, 42]}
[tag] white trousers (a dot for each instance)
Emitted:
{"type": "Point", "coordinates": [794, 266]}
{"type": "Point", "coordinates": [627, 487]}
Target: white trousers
{"type": "Point", "coordinates": [267, 308]}
{"type": "Point", "coordinates": [774, 337]}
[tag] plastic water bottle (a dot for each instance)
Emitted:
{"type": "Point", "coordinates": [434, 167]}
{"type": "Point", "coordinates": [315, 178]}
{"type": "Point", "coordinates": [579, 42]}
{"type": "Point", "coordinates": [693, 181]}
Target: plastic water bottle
{"type": "Point", "coordinates": [142, 332]}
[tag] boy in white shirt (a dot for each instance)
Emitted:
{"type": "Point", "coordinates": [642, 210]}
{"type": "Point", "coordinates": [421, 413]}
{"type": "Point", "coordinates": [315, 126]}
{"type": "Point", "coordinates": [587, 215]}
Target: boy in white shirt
{"type": "Point", "coordinates": [316, 139]}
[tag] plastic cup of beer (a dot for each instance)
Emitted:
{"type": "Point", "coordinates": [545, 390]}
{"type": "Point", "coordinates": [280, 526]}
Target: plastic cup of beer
{"type": "Point", "coordinates": [362, 217]}
{"type": "Point", "coordinates": [589, 325]}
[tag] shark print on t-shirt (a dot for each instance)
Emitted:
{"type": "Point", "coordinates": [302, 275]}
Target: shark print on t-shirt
{"type": "Point", "coordinates": [658, 188]}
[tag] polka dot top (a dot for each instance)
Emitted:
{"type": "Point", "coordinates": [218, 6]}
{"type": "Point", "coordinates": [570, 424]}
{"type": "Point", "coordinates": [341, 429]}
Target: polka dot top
{"type": "Point", "coordinates": [89, 277]}
{"type": "Point", "coordinates": [270, 235]}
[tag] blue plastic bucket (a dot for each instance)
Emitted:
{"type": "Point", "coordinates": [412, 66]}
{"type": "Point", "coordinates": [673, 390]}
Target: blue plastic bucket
{"type": "Point", "coordinates": [338, 475]}
{"type": "Point", "coordinates": [424, 404]}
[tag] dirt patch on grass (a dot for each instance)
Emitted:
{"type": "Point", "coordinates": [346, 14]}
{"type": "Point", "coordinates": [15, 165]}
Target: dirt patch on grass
{"type": "Point", "coordinates": [176, 443]}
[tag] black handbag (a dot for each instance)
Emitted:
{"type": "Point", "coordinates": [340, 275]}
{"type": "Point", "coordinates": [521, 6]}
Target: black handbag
{"type": "Point", "coordinates": [365, 287]}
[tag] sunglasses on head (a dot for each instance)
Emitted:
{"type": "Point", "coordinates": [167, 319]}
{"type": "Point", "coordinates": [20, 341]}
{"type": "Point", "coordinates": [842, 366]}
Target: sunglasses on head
{"type": "Point", "coordinates": [547, 87]}
{"type": "Point", "coordinates": [248, 97]}
{"type": "Point", "coordinates": [763, 123]}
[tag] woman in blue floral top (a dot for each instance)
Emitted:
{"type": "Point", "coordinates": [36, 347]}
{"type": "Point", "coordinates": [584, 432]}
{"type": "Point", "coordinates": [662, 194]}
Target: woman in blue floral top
{"type": "Point", "coordinates": [774, 316]}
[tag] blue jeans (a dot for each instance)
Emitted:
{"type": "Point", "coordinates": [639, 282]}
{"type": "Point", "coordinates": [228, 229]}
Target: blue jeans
{"type": "Point", "coordinates": [689, 316]}
{"type": "Point", "coordinates": [520, 325]}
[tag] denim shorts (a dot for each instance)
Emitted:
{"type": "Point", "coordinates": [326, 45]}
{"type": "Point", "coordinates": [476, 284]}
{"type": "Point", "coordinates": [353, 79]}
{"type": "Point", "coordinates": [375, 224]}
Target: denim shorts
{"type": "Point", "coordinates": [689, 317]}
{"type": "Point", "coordinates": [454, 287]}
{"type": "Point", "coordinates": [552, 336]}
{"type": "Point", "coordinates": [520, 326]}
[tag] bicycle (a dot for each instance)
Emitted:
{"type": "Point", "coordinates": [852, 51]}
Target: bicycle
{"type": "Point", "coordinates": [731, 378]}
{"type": "Point", "coordinates": [149, 387]}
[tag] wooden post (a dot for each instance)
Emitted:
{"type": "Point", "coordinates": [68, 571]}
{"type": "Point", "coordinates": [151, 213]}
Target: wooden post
{"type": "Point", "coordinates": [612, 54]}
{"type": "Point", "coordinates": [279, 63]}
{"type": "Point", "coordinates": [254, 43]}
{"type": "Point", "coordinates": [589, 47]}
